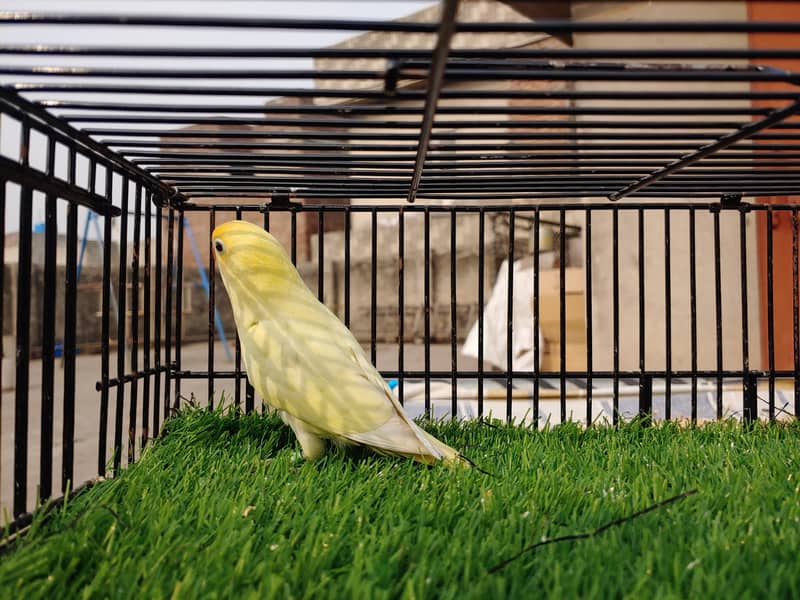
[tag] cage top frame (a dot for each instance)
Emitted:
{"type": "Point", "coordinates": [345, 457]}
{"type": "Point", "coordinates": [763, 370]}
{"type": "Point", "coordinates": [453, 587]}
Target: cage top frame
{"type": "Point", "coordinates": [433, 123]}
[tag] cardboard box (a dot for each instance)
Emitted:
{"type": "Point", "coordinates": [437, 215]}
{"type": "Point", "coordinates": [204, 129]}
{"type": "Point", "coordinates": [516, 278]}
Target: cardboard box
{"type": "Point", "coordinates": [550, 306]}
{"type": "Point", "coordinates": [550, 318]}
{"type": "Point", "coordinates": [574, 280]}
{"type": "Point", "coordinates": [576, 357]}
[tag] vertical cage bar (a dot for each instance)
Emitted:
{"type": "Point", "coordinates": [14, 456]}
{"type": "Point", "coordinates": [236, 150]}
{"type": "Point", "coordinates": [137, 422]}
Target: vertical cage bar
{"type": "Point", "coordinates": [615, 311]}
{"type": "Point", "coordinates": [105, 333]}
{"type": "Point", "coordinates": [640, 256]}
{"type": "Point", "coordinates": [48, 333]}
{"type": "Point", "coordinates": [427, 309]}
{"type": "Point", "coordinates": [537, 351]}
{"type": "Point", "coordinates": [320, 283]}
{"type": "Point", "coordinates": [23, 335]}
{"type": "Point", "coordinates": [646, 398]}
{"type": "Point", "coordinates": [70, 323]}
{"type": "Point", "coordinates": [718, 308]}
{"type": "Point", "coordinates": [770, 318]}
{"type": "Point", "coordinates": [146, 346]}
{"type": "Point", "coordinates": [122, 304]}
{"type": "Point", "coordinates": [668, 315]}
{"type": "Point", "coordinates": [562, 322]}
{"type": "Point", "coordinates": [134, 397]}
{"type": "Point", "coordinates": [321, 254]}
{"type": "Point", "coordinates": [157, 321]}
{"type": "Point", "coordinates": [749, 382]}
{"type": "Point", "coordinates": [796, 313]}
{"type": "Point", "coordinates": [179, 307]}
{"type": "Point", "coordinates": [645, 403]}
{"type": "Point", "coordinates": [237, 391]}
{"type": "Point", "coordinates": [2, 298]}
{"type": "Point", "coordinates": [401, 300]}
{"type": "Point", "coordinates": [693, 307]}
{"type": "Point", "coordinates": [293, 232]}
{"type": "Point", "coordinates": [481, 283]}
{"type": "Point", "coordinates": [510, 315]}
{"type": "Point", "coordinates": [168, 310]}
{"type": "Point", "coordinates": [373, 288]}
{"type": "Point", "coordinates": [23, 352]}
{"type": "Point", "coordinates": [347, 268]}
{"type": "Point", "coordinates": [266, 228]}
{"type": "Point", "coordinates": [91, 184]}
{"type": "Point", "coordinates": [453, 319]}
{"type": "Point", "coordinates": [750, 400]}
{"type": "Point", "coordinates": [249, 396]}
{"type": "Point", "coordinates": [212, 285]}
{"type": "Point", "coordinates": [588, 295]}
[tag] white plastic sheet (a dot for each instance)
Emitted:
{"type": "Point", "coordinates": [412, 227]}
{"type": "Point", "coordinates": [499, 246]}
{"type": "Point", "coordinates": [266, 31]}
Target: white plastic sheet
{"type": "Point", "coordinates": [495, 327]}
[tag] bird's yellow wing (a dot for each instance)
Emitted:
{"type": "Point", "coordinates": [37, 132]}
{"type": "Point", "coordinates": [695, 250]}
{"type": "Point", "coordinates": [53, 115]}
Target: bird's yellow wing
{"type": "Point", "coordinates": [317, 372]}
{"type": "Point", "coordinates": [304, 361]}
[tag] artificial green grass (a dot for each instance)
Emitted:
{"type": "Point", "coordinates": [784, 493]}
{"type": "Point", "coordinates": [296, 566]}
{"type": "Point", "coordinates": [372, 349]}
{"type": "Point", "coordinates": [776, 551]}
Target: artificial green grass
{"type": "Point", "coordinates": [220, 507]}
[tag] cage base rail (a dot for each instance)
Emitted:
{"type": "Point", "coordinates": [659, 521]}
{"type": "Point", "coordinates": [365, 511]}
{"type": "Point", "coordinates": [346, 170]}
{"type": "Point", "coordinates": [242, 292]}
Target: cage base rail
{"type": "Point", "coordinates": [116, 381]}
{"type": "Point", "coordinates": [17, 528]}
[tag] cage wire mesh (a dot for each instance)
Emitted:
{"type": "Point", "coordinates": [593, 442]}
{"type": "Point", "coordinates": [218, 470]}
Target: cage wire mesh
{"type": "Point", "coordinates": [536, 212]}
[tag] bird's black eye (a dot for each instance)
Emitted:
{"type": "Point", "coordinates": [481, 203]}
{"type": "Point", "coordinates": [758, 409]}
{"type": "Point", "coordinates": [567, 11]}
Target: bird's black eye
{"type": "Point", "coordinates": [219, 245]}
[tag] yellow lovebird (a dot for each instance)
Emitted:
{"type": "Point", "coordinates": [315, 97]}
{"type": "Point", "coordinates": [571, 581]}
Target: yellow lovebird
{"type": "Point", "coordinates": [304, 362]}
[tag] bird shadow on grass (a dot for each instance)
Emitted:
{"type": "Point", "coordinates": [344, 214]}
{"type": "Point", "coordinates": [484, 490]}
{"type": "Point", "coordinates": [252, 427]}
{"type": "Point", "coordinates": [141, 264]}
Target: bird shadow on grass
{"type": "Point", "coordinates": [229, 426]}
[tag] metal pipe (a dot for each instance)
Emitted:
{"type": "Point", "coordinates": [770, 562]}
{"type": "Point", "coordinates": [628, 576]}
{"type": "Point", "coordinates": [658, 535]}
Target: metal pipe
{"type": "Point", "coordinates": [319, 24]}
{"type": "Point", "coordinates": [722, 143]}
{"type": "Point", "coordinates": [446, 29]}
{"type": "Point", "coordinates": [407, 53]}
{"type": "Point", "coordinates": [48, 334]}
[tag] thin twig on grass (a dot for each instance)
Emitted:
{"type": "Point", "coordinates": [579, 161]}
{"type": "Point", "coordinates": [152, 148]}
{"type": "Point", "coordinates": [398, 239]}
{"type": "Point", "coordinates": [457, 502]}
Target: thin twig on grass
{"type": "Point", "coordinates": [472, 464]}
{"type": "Point", "coordinates": [780, 409]}
{"type": "Point", "coordinates": [588, 534]}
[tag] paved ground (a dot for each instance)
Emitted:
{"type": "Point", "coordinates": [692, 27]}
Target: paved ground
{"type": "Point", "coordinates": [87, 411]}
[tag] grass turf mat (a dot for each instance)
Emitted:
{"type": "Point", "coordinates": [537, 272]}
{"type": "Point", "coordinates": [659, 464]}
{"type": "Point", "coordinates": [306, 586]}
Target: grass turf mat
{"type": "Point", "coordinates": [221, 507]}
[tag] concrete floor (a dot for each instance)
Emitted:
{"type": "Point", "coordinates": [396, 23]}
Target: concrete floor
{"type": "Point", "coordinates": [87, 411]}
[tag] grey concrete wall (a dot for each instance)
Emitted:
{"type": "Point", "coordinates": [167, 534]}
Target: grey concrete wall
{"type": "Point", "coordinates": [655, 256]}
{"type": "Point", "coordinates": [387, 280]}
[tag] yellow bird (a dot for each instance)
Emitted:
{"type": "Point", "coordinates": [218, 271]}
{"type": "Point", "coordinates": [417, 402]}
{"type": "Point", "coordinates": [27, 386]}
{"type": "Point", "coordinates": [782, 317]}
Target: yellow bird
{"type": "Point", "coordinates": [304, 362]}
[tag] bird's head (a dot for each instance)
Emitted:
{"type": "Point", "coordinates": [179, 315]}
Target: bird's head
{"type": "Point", "coordinates": [249, 256]}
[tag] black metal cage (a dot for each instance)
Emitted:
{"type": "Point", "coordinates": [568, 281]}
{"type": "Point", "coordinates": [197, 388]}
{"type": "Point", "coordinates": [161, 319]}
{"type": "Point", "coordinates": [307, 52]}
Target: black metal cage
{"type": "Point", "coordinates": [534, 211]}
